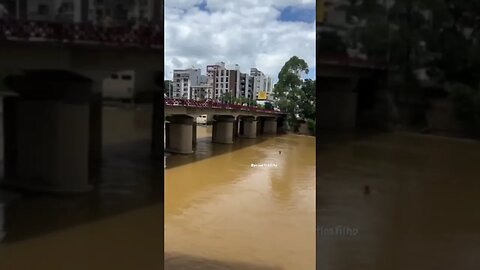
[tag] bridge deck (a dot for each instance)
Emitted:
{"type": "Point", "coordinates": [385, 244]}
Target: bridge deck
{"type": "Point", "coordinates": [145, 35]}
{"type": "Point", "coordinates": [211, 104]}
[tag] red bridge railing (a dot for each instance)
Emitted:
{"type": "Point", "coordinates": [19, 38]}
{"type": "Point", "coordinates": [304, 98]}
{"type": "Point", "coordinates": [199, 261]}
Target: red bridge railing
{"type": "Point", "coordinates": [147, 35]}
{"type": "Point", "coordinates": [213, 104]}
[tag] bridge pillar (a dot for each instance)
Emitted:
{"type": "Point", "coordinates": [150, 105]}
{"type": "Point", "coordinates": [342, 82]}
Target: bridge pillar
{"type": "Point", "coordinates": [47, 132]}
{"type": "Point", "coordinates": [260, 124]}
{"type": "Point", "coordinates": [194, 134]}
{"type": "Point", "coordinates": [282, 126]}
{"type": "Point", "coordinates": [223, 127]}
{"type": "Point", "coordinates": [248, 128]}
{"type": "Point", "coordinates": [236, 122]}
{"type": "Point", "coordinates": [270, 126]}
{"type": "Point", "coordinates": [95, 139]}
{"type": "Point", "coordinates": [180, 134]}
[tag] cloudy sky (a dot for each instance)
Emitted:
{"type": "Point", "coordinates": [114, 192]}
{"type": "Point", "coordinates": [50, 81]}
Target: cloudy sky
{"type": "Point", "coordinates": [252, 33]}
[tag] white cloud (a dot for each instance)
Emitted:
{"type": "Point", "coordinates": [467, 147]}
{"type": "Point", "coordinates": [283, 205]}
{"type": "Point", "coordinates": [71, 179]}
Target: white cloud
{"type": "Point", "coordinates": [244, 32]}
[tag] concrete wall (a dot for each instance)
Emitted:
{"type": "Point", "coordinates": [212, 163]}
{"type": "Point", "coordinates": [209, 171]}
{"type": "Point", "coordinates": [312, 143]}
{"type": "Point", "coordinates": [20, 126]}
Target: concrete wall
{"type": "Point", "coordinates": [337, 110]}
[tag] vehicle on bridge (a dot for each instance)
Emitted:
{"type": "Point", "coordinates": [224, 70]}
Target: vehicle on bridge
{"type": "Point", "coordinates": [202, 119]}
{"type": "Point", "coordinates": [126, 85]}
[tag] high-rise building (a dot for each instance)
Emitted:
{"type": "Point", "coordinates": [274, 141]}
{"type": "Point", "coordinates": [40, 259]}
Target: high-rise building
{"type": "Point", "coordinates": [262, 84]}
{"type": "Point", "coordinates": [246, 86]}
{"type": "Point", "coordinates": [191, 84]}
{"type": "Point", "coordinates": [224, 80]}
{"type": "Point", "coordinates": [183, 80]}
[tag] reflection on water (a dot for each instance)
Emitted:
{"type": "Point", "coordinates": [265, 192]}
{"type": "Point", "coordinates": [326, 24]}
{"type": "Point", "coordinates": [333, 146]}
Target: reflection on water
{"type": "Point", "coordinates": [421, 212]}
{"type": "Point", "coordinates": [221, 213]}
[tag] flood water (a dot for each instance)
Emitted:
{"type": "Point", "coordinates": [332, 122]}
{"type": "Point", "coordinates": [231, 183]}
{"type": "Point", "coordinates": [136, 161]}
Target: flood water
{"type": "Point", "coordinates": [222, 213]}
{"type": "Point", "coordinates": [422, 209]}
{"type": "Point", "coordinates": [117, 226]}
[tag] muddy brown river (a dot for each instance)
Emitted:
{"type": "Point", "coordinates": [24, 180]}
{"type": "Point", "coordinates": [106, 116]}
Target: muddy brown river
{"type": "Point", "coordinates": [250, 206]}
{"type": "Point", "coordinates": [422, 209]}
{"type": "Point", "coordinates": [228, 212]}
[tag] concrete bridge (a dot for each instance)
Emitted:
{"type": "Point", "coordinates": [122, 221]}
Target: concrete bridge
{"type": "Point", "coordinates": [52, 111]}
{"type": "Point", "coordinates": [348, 90]}
{"type": "Point", "coordinates": [230, 122]}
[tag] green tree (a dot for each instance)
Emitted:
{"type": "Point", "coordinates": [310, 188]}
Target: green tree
{"type": "Point", "coordinates": [227, 97]}
{"type": "Point", "coordinates": [268, 106]}
{"type": "Point", "coordinates": [167, 84]}
{"type": "Point", "coordinates": [288, 91]}
{"type": "Point", "coordinates": [307, 99]}
{"type": "Point", "coordinates": [440, 36]}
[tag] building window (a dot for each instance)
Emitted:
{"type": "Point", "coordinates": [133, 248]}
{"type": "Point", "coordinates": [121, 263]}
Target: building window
{"type": "Point", "coordinates": [127, 77]}
{"type": "Point", "coordinates": [114, 76]}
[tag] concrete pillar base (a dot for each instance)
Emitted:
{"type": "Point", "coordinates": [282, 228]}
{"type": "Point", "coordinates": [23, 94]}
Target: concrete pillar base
{"type": "Point", "coordinates": [52, 134]}
{"type": "Point", "coordinates": [249, 129]}
{"type": "Point", "coordinates": [235, 129]}
{"type": "Point", "coordinates": [180, 135]}
{"type": "Point", "coordinates": [48, 145]}
{"type": "Point", "coordinates": [270, 126]}
{"type": "Point", "coordinates": [223, 129]}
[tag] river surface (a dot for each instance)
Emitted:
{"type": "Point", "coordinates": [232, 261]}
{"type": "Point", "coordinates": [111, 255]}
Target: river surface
{"type": "Point", "coordinates": [422, 209]}
{"type": "Point", "coordinates": [117, 226]}
{"type": "Point", "coordinates": [222, 213]}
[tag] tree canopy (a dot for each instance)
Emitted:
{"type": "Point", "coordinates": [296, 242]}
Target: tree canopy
{"type": "Point", "coordinates": [293, 94]}
{"type": "Point", "coordinates": [439, 36]}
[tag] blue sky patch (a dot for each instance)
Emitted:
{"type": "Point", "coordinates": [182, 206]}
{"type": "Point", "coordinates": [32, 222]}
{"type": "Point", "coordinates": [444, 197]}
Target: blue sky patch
{"type": "Point", "coordinates": [312, 73]}
{"type": "Point", "coordinates": [203, 6]}
{"type": "Point", "coordinates": [295, 14]}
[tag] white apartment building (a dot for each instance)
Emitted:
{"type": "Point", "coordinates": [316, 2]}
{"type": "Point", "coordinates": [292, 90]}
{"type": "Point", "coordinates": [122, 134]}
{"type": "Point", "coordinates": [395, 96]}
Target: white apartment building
{"type": "Point", "coordinates": [224, 80]}
{"type": "Point", "coordinates": [183, 80]}
{"type": "Point", "coordinates": [261, 82]}
{"type": "Point", "coordinates": [202, 91]}
{"type": "Point", "coordinates": [190, 84]}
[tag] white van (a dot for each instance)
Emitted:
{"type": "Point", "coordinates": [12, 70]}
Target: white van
{"type": "Point", "coordinates": [202, 119]}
